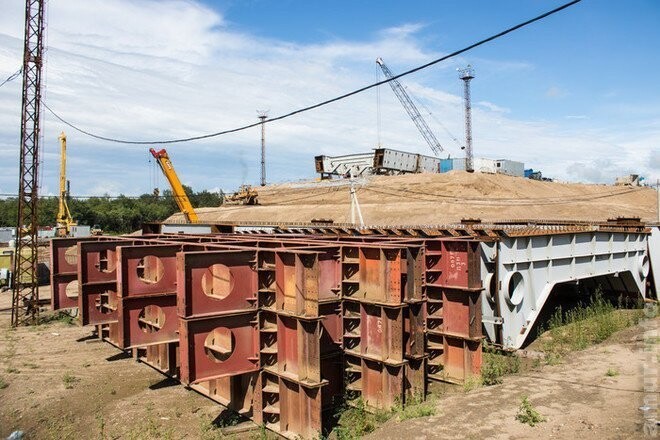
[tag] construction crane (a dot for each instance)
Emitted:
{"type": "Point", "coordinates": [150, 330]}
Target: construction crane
{"type": "Point", "coordinates": [411, 109]}
{"type": "Point", "coordinates": [467, 75]}
{"type": "Point", "coordinates": [64, 219]}
{"type": "Point", "coordinates": [182, 200]}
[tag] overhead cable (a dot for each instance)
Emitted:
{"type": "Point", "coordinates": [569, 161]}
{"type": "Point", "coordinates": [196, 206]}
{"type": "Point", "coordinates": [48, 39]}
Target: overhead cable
{"type": "Point", "coordinates": [320, 104]}
{"type": "Point", "coordinates": [12, 77]}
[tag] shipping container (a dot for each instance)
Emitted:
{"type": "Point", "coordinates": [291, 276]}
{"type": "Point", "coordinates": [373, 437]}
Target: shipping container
{"type": "Point", "coordinates": [510, 167]}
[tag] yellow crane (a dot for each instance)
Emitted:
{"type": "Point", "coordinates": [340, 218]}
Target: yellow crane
{"type": "Point", "coordinates": [178, 192]}
{"type": "Point", "coordinates": [64, 219]}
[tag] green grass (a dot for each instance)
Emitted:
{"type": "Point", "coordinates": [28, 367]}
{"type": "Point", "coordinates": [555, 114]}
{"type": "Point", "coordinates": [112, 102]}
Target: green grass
{"type": "Point", "coordinates": [611, 372]}
{"type": "Point", "coordinates": [584, 326]}
{"type": "Point", "coordinates": [355, 421]}
{"type": "Point", "coordinates": [497, 364]}
{"type": "Point", "coordinates": [415, 408]}
{"type": "Point", "coordinates": [69, 380]}
{"type": "Point", "coordinates": [60, 316]}
{"type": "Point", "coordinates": [528, 414]}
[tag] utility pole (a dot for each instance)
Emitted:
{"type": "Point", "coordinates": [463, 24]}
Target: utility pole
{"type": "Point", "coordinates": [25, 293]}
{"type": "Point", "coordinates": [466, 75]}
{"type": "Point", "coordinates": [262, 116]}
{"type": "Point", "coordinates": [355, 205]}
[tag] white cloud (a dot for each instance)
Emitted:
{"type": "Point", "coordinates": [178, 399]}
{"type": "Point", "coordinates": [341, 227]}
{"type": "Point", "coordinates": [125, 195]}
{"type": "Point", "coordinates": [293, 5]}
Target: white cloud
{"type": "Point", "coordinates": [165, 69]}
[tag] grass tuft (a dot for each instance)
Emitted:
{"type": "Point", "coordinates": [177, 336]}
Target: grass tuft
{"type": "Point", "coordinates": [611, 372]}
{"type": "Point", "coordinates": [496, 364]}
{"type": "Point", "coordinates": [528, 414]}
{"type": "Point", "coordinates": [69, 380]}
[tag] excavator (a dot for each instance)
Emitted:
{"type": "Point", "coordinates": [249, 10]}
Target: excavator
{"type": "Point", "coordinates": [64, 219]}
{"type": "Point", "coordinates": [246, 195]}
{"type": "Point", "coordinates": [180, 197]}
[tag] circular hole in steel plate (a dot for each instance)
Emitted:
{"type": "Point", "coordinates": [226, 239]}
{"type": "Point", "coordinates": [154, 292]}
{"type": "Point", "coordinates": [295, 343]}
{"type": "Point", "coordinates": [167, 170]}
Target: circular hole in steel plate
{"type": "Point", "coordinates": [219, 344]}
{"type": "Point", "coordinates": [217, 281]}
{"type": "Point", "coordinates": [151, 319]}
{"type": "Point", "coordinates": [150, 270]}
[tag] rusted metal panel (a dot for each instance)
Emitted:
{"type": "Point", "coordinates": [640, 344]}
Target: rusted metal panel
{"type": "Point", "coordinates": [462, 314]}
{"type": "Point", "coordinates": [146, 270]}
{"type": "Point", "coordinates": [98, 304]}
{"type": "Point", "coordinates": [214, 347]}
{"type": "Point", "coordinates": [212, 283]}
{"type": "Point", "coordinates": [147, 320]}
{"type": "Point", "coordinates": [64, 273]}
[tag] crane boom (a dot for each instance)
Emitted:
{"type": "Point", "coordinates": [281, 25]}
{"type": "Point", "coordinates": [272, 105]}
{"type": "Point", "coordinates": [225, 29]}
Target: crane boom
{"type": "Point", "coordinates": [411, 109]}
{"type": "Point", "coordinates": [182, 200]}
{"type": "Point", "coordinates": [64, 219]}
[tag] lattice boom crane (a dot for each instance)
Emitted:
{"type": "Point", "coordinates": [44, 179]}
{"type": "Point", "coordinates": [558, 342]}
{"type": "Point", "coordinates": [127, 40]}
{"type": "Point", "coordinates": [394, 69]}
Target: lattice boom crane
{"type": "Point", "coordinates": [411, 109]}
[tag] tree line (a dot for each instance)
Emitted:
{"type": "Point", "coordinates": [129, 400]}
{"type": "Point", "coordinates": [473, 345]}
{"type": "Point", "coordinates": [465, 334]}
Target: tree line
{"type": "Point", "coordinates": [118, 215]}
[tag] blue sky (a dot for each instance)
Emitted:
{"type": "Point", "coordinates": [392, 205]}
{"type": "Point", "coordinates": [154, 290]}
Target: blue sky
{"type": "Point", "coordinates": [574, 95]}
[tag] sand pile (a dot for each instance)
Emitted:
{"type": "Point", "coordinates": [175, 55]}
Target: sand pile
{"type": "Point", "coordinates": [416, 199]}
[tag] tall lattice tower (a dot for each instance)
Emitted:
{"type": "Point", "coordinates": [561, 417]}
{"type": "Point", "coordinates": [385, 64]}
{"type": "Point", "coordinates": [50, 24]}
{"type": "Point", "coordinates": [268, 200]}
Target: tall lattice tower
{"type": "Point", "coordinates": [466, 75]}
{"type": "Point", "coordinates": [262, 117]}
{"type": "Point", "coordinates": [25, 294]}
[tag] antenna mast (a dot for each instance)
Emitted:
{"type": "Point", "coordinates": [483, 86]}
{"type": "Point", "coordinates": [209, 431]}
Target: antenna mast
{"type": "Point", "coordinates": [262, 116]}
{"type": "Point", "coordinates": [466, 75]}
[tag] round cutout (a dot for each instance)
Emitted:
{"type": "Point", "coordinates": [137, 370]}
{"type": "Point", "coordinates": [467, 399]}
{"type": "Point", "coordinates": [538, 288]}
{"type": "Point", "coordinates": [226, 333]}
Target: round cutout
{"type": "Point", "coordinates": [150, 269]}
{"type": "Point", "coordinates": [71, 255]}
{"type": "Point", "coordinates": [515, 288]}
{"type": "Point", "coordinates": [151, 319]}
{"type": "Point", "coordinates": [644, 266]}
{"type": "Point", "coordinates": [71, 290]}
{"type": "Point", "coordinates": [219, 344]}
{"type": "Point", "coordinates": [217, 281]}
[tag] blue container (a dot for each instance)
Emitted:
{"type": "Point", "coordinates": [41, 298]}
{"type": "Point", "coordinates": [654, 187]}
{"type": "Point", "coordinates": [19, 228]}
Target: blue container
{"type": "Point", "coordinates": [446, 165]}
{"type": "Point", "coordinates": [529, 172]}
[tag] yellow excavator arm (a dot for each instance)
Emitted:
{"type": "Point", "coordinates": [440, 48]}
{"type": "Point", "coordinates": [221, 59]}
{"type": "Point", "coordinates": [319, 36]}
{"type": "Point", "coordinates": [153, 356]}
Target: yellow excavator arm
{"type": "Point", "coordinates": [182, 200]}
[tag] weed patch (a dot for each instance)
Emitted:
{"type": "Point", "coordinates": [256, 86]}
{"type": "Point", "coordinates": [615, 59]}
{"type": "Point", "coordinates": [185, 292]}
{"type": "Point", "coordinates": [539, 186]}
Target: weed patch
{"type": "Point", "coordinates": [355, 421]}
{"type": "Point", "coordinates": [415, 408]}
{"type": "Point", "coordinates": [584, 326]}
{"type": "Point", "coordinates": [611, 372]}
{"type": "Point", "coordinates": [528, 414]}
{"type": "Point", "coordinates": [69, 380]}
{"type": "Point", "coordinates": [496, 364]}
{"type": "Point", "coordinates": [3, 383]}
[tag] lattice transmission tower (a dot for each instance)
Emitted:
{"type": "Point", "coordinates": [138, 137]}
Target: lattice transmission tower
{"type": "Point", "coordinates": [25, 293]}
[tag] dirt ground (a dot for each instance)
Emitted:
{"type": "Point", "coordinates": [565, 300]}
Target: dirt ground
{"type": "Point", "coordinates": [56, 382]}
{"type": "Point", "coordinates": [434, 199]}
{"type": "Point", "coordinates": [576, 397]}
{"type": "Point", "coordinates": [59, 383]}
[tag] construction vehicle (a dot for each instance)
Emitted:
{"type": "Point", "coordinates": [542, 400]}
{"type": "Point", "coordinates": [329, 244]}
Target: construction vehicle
{"type": "Point", "coordinates": [64, 219]}
{"type": "Point", "coordinates": [246, 195]}
{"type": "Point", "coordinates": [411, 109]}
{"type": "Point", "coordinates": [179, 194]}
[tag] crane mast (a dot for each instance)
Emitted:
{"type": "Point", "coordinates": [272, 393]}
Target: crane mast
{"type": "Point", "coordinates": [411, 109]}
{"type": "Point", "coordinates": [64, 219]}
{"type": "Point", "coordinates": [180, 196]}
{"type": "Point", "coordinates": [467, 75]}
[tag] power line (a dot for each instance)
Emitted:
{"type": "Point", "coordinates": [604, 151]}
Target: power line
{"type": "Point", "coordinates": [12, 77]}
{"type": "Point", "coordinates": [323, 103]}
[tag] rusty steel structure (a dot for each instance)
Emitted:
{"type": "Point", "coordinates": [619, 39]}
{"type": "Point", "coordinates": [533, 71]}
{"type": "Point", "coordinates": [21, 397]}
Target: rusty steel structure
{"type": "Point", "coordinates": [25, 293]}
{"type": "Point", "coordinates": [283, 328]}
{"type": "Point", "coordinates": [284, 323]}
